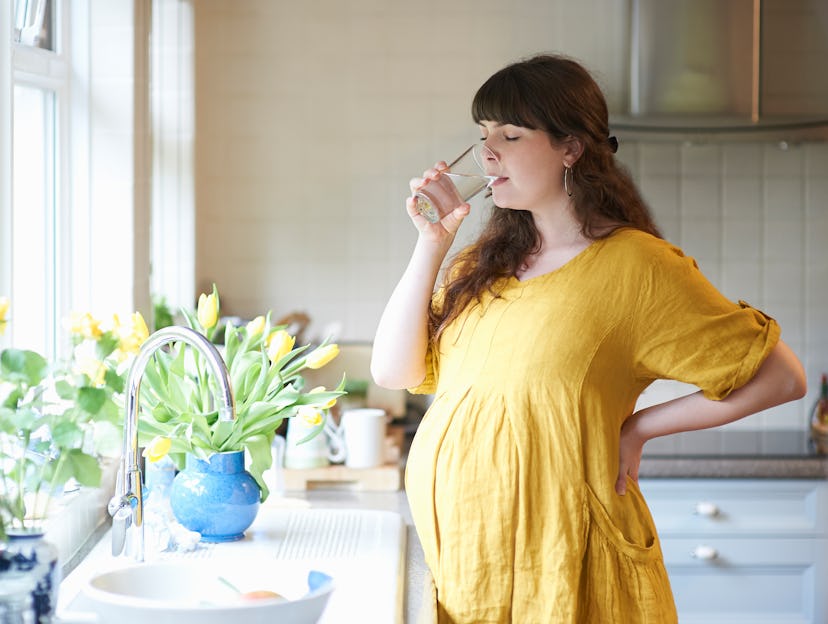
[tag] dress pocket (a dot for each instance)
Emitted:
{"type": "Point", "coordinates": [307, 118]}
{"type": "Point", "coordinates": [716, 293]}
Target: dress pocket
{"type": "Point", "coordinates": [637, 539]}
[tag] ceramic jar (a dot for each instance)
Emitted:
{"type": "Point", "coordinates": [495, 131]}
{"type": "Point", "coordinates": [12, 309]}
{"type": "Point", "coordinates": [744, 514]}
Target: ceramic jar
{"type": "Point", "coordinates": [28, 554]}
{"type": "Point", "coordinates": [217, 498]}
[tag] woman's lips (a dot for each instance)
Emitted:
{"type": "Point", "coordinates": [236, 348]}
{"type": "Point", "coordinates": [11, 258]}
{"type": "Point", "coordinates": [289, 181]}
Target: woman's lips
{"type": "Point", "coordinates": [497, 182]}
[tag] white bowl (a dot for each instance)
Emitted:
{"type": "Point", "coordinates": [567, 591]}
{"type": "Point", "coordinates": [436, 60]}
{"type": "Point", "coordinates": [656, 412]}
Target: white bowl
{"type": "Point", "coordinates": [181, 593]}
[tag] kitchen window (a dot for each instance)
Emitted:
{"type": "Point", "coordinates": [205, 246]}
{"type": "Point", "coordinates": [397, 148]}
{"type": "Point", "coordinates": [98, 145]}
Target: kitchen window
{"type": "Point", "coordinates": [73, 188]}
{"type": "Point", "coordinates": [33, 23]}
{"type": "Point", "coordinates": [38, 108]}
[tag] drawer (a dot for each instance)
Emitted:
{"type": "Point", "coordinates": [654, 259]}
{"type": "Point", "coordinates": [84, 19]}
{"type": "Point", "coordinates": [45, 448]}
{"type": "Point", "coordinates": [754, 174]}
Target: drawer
{"type": "Point", "coordinates": [749, 580]}
{"type": "Point", "coordinates": [738, 507]}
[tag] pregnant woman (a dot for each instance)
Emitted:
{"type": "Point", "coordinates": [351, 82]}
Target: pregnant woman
{"type": "Point", "coordinates": [537, 340]}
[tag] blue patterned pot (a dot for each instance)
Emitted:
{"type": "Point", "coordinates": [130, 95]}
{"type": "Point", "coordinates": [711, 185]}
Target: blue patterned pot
{"type": "Point", "coordinates": [28, 553]}
{"type": "Point", "coordinates": [218, 498]}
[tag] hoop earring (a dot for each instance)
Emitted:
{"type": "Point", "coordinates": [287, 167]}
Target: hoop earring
{"type": "Point", "coordinates": [569, 180]}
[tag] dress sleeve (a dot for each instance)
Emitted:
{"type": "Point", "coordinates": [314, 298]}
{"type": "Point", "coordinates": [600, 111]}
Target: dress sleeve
{"type": "Point", "coordinates": [429, 384]}
{"type": "Point", "coordinates": [432, 357]}
{"type": "Point", "coordinates": [688, 331]}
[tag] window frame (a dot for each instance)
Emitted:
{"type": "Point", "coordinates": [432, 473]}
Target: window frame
{"type": "Point", "coordinates": [49, 71]}
{"type": "Point", "coordinates": [101, 219]}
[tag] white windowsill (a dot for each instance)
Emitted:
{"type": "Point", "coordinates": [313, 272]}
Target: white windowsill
{"type": "Point", "coordinates": [77, 521]}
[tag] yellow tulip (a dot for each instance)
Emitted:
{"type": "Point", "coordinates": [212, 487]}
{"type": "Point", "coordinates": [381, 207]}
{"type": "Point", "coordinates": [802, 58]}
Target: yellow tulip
{"type": "Point", "coordinates": [207, 310]}
{"type": "Point", "coordinates": [85, 325]}
{"type": "Point", "coordinates": [256, 326]}
{"type": "Point", "coordinates": [279, 344]}
{"type": "Point", "coordinates": [91, 367]}
{"type": "Point", "coordinates": [4, 309]}
{"type": "Point", "coordinates": [157, 449]}
{"type": "Point", "coordinates": [139, 327]}
{"type": "Point", "coordinates": [310, 415]}
{"type": "Point", "coordinates": [322, 355]}
{"type": "Point", "coordinates": [327, 405]}
{"type": "Point", "coordinates": [134, 335]}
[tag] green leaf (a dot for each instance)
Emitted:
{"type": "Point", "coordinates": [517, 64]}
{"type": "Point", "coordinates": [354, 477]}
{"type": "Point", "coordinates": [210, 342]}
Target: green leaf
{"type": "Point", "coordinates": [191, 319]}
{"type": "Point", "coordinates": [114, 381]}
{"type": "Point", "coordinates": [13, 396]}
{"type": "Point", "coordinates": [259, 387]}
{"type": "Point", "coordinates": [22, 365]}
{"type": "Point", "coordinates": [241, 370]}
{"type": "Point", "coordinates": [85, 468]}
{"type": "Point", "coordinates": [25, 419]}
{"type": "Point", "coordinates": [65, 390]}
{"type": "Point", "coordinates": [314, 432]}
{"type": "Point", "coordinates": [106, 344]}
{"type": "Point", "coordinates": [199, 426]}
{"type": "Point", "coordinates": [261, 459]}
{"type": "Point", "coordinates": [111, 412]}
{"type": "Point", "coordinates": [91, 399]}
{"type": "Point", "coordinates": [265, 424]}
{"type": "Point", "coordinates": [317, 399]}
{"type": "Point", "coordinates": [222, 430]}
{"type": "Point", "coordinates": [232, 341]}
{"type": "Point", "coordinates": [67, 435]}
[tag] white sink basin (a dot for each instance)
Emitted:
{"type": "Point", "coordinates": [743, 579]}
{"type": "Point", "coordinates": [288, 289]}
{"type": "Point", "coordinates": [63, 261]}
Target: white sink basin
{"type": "Point", "coordinates": [363, 551]}
{"type": "Point", "coordinates": [192, 593]}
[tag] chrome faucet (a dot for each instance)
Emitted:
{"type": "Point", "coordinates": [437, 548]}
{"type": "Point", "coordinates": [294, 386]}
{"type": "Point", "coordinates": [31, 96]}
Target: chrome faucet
{"type": "Point", "coordinates": [127, 505]}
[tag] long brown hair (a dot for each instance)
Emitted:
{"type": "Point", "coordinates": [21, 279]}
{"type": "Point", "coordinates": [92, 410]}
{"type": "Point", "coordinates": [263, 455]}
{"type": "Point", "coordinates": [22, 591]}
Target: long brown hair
{"type": "Point", "coordinates": [557, 95]}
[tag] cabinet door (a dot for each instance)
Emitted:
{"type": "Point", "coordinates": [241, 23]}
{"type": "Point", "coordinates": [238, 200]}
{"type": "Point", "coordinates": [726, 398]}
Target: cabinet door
{"type": "Point", "coordinates": [731, 580]}
{"type": "Point", "coordinates": [739, 507]}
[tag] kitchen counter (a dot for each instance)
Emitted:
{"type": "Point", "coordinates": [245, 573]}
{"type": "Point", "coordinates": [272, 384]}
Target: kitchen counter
{"type": "Point", "coordinates": [722, 453]}
{"type": "Point", "coordinates": [734, 454]}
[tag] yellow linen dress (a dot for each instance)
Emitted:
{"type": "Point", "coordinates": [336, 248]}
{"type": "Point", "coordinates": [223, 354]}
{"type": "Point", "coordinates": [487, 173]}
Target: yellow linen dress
{"type": "Point", "coordinates": [511, 473]}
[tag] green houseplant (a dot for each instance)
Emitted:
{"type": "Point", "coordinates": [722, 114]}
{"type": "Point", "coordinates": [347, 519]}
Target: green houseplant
{"type": "Point", "coordinates": [178, 416]}
{"type": "Point", "coordinates": [59, 420]}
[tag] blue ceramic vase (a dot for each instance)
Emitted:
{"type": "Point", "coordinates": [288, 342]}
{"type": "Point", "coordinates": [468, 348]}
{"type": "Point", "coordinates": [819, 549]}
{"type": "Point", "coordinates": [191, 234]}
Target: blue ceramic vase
{"type": "Point", "coordinates": [28, 553]}
{"type": "Point", "coordinates": [218, 498]}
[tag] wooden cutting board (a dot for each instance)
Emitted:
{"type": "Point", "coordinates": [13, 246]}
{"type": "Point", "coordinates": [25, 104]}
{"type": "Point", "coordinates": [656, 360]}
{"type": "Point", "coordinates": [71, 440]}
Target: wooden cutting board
{"type": "Point", "coordinates": [386, 478]}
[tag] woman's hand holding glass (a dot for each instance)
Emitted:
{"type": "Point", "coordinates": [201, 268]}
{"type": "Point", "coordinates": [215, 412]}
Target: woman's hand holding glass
{"type": "Point", "coordinates": [450, 222]}
{"type": "Point", "coordinates": [445, 188]}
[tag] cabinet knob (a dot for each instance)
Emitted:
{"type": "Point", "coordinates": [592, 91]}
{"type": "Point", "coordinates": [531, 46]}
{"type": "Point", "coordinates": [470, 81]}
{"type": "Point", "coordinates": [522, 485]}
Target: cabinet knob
{"type": "Point", "coordinates": [705, 553]}
{"type": "Point", "coordinates": [707, 509]}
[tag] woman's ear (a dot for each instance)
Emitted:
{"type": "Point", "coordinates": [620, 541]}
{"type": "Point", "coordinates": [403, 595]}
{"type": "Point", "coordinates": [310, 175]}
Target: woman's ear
{"type": "Point", "coordinates": [573, 148]}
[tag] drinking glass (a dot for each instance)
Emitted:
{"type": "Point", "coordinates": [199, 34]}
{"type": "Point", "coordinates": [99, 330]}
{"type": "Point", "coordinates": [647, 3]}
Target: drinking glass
{"type": "Point", "coordinates": [465, 178]}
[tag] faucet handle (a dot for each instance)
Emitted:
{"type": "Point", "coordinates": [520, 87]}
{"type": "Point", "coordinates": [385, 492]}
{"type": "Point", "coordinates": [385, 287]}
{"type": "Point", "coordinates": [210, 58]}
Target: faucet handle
{"type": "Point", "coordinates": [120, 508]}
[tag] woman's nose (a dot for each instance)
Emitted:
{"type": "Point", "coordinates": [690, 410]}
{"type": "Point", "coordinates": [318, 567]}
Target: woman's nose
{"type": "Point", "coordinates": [489, 160]}
{"type": "Point", "coordinates": [488, 153]}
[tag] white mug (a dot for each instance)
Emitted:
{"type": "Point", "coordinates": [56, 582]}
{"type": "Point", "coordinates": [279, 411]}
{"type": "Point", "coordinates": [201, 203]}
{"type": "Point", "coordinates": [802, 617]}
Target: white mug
{"type": "Point", "coordinates": [362, 431]}
{"type": "Point", "coordinates": [315, 453]}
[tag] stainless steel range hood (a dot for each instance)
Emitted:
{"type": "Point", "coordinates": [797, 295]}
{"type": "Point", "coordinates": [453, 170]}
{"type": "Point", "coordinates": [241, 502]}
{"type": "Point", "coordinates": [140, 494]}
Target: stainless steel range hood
{"type": "Point", "coordinates": [727, 70]}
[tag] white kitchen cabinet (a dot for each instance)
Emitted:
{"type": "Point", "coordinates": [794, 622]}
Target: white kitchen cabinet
{"type": "Point", "coordinates": [744, 550]}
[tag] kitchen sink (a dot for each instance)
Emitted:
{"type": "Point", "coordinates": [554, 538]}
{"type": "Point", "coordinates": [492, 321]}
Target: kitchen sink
{"type": "Point", "coordinates": [362, 550]}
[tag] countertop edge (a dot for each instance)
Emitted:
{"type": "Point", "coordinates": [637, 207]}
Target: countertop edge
{"type": "Point", "coordinates": [734, 468]}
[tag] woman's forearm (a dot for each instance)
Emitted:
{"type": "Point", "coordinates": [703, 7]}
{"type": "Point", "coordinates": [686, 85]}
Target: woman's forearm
{"type": "Point", "coordinates": [401, 340]}
{"type": "Point", "coordinates": [780, 379]}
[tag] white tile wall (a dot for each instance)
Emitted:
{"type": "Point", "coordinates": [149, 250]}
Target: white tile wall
{"type": "Point", "coordinates": [312, 116]}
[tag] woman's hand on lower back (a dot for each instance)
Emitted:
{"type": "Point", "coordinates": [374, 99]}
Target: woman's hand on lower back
{"type": "Point", "coordinates": [630, 448]}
